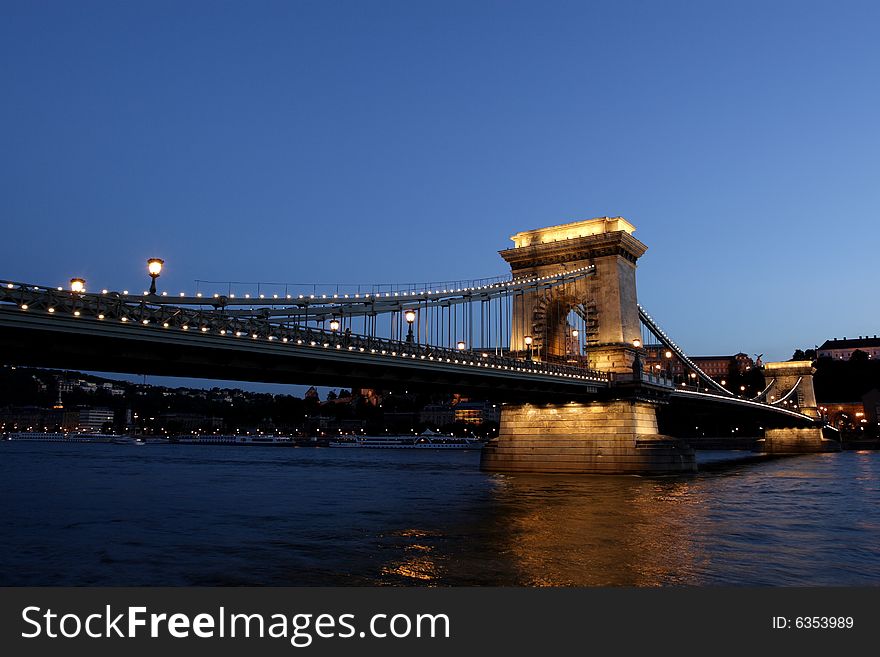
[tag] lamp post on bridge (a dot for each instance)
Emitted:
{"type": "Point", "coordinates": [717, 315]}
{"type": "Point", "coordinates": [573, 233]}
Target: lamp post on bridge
{"type": "Point", "coordinates": [77, 285]}
{"type": "Point", "coordinates": [154, 268]}
{"type": "Point", "coordinates": [637, 361]}
{"type": "Point", "coordinates": [528, 340]}
{"type": "Point", "coordinates": [575, 346]}
{"type": "Point", "coordinates": [410, 316]}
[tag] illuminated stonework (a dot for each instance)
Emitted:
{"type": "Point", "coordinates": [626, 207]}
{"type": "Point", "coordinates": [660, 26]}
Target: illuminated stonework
{"type": "Point", "coordinates": [612, 436]}
{"type": "Point", "coordinates": [608, 297]}
{"type": "Point", "coordinates": [787, 375]}
{"type": "Point", "coordinates": [783, 377]}
{"type": "Point", "coordinates": [572, 230]}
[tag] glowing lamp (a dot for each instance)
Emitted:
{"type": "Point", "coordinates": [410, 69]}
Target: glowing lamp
{"type": "Point", "coordinates": [154, 268]}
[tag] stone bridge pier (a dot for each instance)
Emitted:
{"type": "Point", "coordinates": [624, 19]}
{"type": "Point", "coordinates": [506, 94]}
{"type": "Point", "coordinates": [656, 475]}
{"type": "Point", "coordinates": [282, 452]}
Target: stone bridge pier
{"type": "Point", "coordinates": [617, 435]}
{"type": "Point", "coordinates": [783, 378]}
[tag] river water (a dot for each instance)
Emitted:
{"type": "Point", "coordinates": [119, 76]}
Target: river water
{"type": "Point", "coordinates": [83, 514]}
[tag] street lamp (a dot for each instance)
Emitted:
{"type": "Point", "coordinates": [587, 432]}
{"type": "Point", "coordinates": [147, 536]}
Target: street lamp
{"type": "Point", "coordinates": [77, 285]}
{"type": "Point", "coordinates": [461, 345]}
{"type": "Point", "coordinates": [410, 316]}
{"type": "Point", "coordinates": [637, 361]}
{"type": "Point", "coordinates": [528, 341]}
{"type": "Point", "coordinates": [334, 325]}
{"type": "Point", "coordinates": [154, 268]}
{"type": "Point", "coordinates": [668, 355]}
{"type": "Point", "coordinates": [575, 343]}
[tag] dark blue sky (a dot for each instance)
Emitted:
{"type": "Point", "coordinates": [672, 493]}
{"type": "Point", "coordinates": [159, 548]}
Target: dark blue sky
{"type": "Point", "coordinates": [390, 141]}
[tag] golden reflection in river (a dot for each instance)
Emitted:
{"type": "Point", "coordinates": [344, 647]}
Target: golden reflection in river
{"type": "Point", "coordinates": [601, 531]}
{"type": "Point", "coordinates": [418, 565]}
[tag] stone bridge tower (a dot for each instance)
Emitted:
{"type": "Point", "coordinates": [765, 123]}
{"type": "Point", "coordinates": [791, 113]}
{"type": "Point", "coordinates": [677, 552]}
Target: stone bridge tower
{"type": "Point", "coordinates": [783, 378]}
{"type": "Point", "coordinates": [607, 300]}
{"type": "Point", "coordinates": [618, 434]}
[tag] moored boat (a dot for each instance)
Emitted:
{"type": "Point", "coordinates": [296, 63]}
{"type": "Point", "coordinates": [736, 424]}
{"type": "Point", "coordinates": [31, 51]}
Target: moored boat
{"type": "Point", "coordinates": [425, 440]}
{"type": "Point", "coordinates": [61, 437]}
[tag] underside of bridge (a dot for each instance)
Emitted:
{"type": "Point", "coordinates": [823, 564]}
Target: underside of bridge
{"type": "Point", "coordinates": [113, 348]}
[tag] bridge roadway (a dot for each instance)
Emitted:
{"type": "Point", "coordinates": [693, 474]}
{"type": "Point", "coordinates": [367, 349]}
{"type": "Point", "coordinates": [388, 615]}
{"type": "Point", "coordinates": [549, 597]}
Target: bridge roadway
{"type": "Point", "coordinates": [706, 404]}
{"type": "Point", "coordinates": [315, 357]}
{"type": "Point", "coordinates": [281, 355]}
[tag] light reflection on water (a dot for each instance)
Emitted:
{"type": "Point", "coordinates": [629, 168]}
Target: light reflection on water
{"type": "Point", "coordinates": [190, 515]}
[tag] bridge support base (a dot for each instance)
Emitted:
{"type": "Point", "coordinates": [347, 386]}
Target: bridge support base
{"type": "Point", "coordinates": [796, 441]}
{"type": "Point", "coordinates": [612, 437]}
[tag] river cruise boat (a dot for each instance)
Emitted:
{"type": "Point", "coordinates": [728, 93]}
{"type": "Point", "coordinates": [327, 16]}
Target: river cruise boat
{"type": "Point", "coordinates": [276, 441]}
{"type": "Point", "coordinates": [426, 440]}
{"type": "Point", "coordinates": [61, 437]}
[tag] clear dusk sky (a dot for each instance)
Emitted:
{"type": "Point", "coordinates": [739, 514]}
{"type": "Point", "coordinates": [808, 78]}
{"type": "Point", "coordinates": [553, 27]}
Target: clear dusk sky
{"type": "Point", "coordinates": [406, 141]}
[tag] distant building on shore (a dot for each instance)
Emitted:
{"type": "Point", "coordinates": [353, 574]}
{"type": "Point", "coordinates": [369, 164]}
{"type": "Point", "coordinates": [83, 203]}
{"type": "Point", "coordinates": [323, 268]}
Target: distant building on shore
{"type": "Point", "coordinates": [93, 419]}
{"type": "Point", "coordinates": [717, 367]}
{"type": "Point", "coordinates": [844, 349]}
{"type": "Point", "coordinates": [38, 418]}
{"type": "Point", "coordinates": [476, 412]}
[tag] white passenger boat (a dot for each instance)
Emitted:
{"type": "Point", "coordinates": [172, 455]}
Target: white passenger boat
{"type": "Point", "coordinates": [61, 437]}
{"type": "Point", "coordinates": [426, 440]}
{"type": "Point", "coordinates": [235, 440]}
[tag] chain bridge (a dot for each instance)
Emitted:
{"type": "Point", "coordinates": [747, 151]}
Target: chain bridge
{"type": "Point", "coordinates": [560, 342]}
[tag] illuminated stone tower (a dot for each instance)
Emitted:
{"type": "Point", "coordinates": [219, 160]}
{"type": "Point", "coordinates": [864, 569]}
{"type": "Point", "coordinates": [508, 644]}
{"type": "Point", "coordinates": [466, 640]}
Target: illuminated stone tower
{"type": "Point", "coordinates": [619, 434]}
{"type": "Point", "coordinates": [607, 299]}
{"type": "Point", "coordinates": [795, 377]}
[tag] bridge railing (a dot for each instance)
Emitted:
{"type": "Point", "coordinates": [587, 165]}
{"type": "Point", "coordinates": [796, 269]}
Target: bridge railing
{"type": "Point", "coordinates": [110, 307]}
{"type": "Point", "coordinates": [414, 350]}
{"type": "Point", "coordinates": [293, 290]}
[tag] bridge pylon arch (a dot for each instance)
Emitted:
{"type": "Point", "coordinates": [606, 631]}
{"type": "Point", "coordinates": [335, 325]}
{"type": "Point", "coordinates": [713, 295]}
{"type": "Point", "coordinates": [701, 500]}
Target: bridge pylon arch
{"type": "Point", "coordinates": [609, 295]}
{"type": "Point", "coordinates": [791, 383]}
{"type": "Point", "coordinates": [615, 435]}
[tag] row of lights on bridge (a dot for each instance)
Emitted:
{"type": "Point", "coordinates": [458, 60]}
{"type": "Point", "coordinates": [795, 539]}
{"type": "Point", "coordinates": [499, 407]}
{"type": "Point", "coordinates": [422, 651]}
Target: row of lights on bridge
{"type": "Point", "coordinates": [154, 269]}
